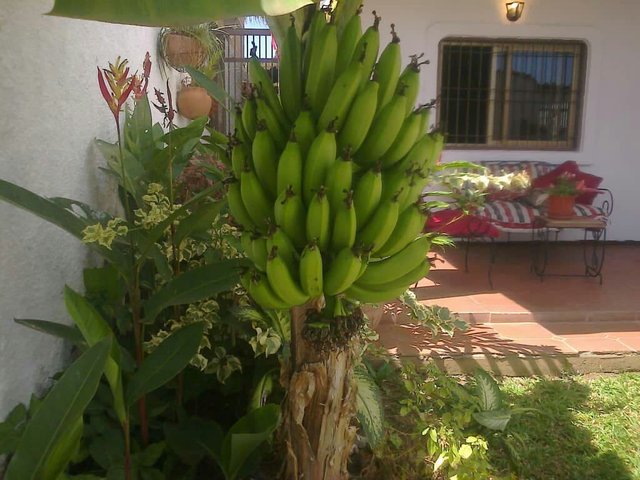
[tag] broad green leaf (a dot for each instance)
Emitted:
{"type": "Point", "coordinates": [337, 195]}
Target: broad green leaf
{"type": "Point", "coordinates": [160, 13]}
{"type": "Point", "coordinates": [262, 390]}
{"type": "Point", "coordinates": [58, 413]}
{"type": "Point", "coordinates": [11, 429]}
{"type": "Point", "coordinates": [65, 449]}
{"type": "Point", "coordinates": [198, 222]}
{"type": "Point", "coordinates": [94, 329]}
{"type": "Point", "coordinates": [493, 419]}
{"type": "Point", "coordinates": [166, 361]}
{"type": "Point", "coordinates": [465, 451]}
{"type": "Point", "coordinates": [67, 332]}
{"type": "Point", "coordinates": [217, 92]}
{"type": "Point", "coordinates": [369, 407]}
{"type": "Point", "coordinates": [103, 282]}
{"type": "Point", "coordinates": [488, 391]}
{"type": "Point", "coordinates": [188, 439]}
{"type": "Point", "coordinates": [55, 214]}
{"type": "Point", "coordinates": [195, 285]}
{"type": "Point", "coordinates": [245, 436]}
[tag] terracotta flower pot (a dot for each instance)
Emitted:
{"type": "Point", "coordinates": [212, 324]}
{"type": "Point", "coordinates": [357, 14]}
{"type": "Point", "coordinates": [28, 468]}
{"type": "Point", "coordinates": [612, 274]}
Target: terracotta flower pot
{"type": "Point", "coordinates": [193, 102]}
{"type": "Point", "coordinates": [183, 50]}
{"type": "Point", "coordinates": [561, 206]}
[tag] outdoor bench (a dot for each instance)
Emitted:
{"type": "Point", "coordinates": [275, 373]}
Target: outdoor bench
{"type": "Point", "coordinates": [505, 213]}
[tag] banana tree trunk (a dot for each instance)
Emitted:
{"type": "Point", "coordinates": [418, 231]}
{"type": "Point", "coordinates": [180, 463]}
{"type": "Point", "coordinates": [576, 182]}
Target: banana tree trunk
{"type": "Point", "coordinates": [317, 432]}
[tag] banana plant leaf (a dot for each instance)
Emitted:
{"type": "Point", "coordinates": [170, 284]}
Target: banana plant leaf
{"type": "Point", "coordinates": [160, 13]}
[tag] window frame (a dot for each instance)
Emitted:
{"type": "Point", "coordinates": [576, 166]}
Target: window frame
{"type": "Point", "coordinates": [507, 44]}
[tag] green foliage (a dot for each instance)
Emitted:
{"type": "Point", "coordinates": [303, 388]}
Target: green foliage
{"type": "Point", "coordinates": [369, 408]}
{"type": "Point", "coordinates": [437, 319]}
{"type": "Point", "coordinates": [154, 13]}
{"type": "Point", "coordinates": [167, 304]}
{"type": "Point", "coordinates": [58, 414]}
{"type": "Point", "coordinates": [437, 427]}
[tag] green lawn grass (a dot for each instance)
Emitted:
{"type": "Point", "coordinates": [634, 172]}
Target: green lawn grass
{"type": "Point", "coordinates": [587, 428]}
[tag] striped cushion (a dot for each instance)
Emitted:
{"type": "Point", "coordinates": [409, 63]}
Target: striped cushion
{"type": "Point", "coordinates": [534, 169]}
{"type": "Point", "coordinates": [518, 215]}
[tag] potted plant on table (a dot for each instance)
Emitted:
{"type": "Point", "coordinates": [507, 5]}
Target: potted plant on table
{"type": "Point", "coordinates": [197, 46]}
{"type": "Point", "coordinates": [562, 195]}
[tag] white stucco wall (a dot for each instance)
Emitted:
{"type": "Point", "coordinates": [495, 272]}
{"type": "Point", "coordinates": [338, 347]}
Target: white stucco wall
{"type": "Point", "coordinates": [50, 112]}
{"type": "Point", "coordinates": [611, 117]}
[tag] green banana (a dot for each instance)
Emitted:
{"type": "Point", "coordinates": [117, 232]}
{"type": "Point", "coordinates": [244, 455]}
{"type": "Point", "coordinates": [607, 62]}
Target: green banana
{"type": "Point", "coordinates": [289, 169]}
{"type": "Point", "coordinates": [425, 113]}
{"type": "Point", "coordinates": [396, 184]}
{"type": "Point", "coordinates": [341, 96]}
{"type": "Point", "coordinates": [342, 272]}
{"type": "Point", "coordinates": [266, 115]}
{"type": "Point", "coordinates": [258, 287]}
{"type": "Point", "coordinates": [344, 225]}
{"type": "Point", "coordinates": [384, 130]}
{"type": "Point", "coordinates": [322, 153]}
{"type": "Point", "coordinates": [410, 79]}
{"type": "Point", "coordinates": [290, 81]}
{"type": "Point", "coordinates": [304, 130]}
{"type": "Point", "coordinates": [378, 230]}
{"type": "Point", "coordinates": [310, 38]}
{"type": "Point", "coordinates": [387, 70]}
{"type": "Point", "coordinates": [437, 144]}
{"type": "Point", "coordinates": [318, 224]}
{"type": "Point", "coordinates": [394, 267]}
{"type": "Point", "coordinates": [370, 43]}
{"type": "Point", "coordinates": [238, 157]}
{"type": "Point", "coordinates": [249, 116]}
{"type": "Point", "coordinates": [338, 180]}
{"type": "Point", "coordinates": [359, 119]}
{"type": "Point", "coordinates": [265, 160]}
{"type": "Point", "coordinates": [262, 80]}
{"type": "Point", "coordinates": [245, 242]}
{"type": "Point", "coordinates": [348, 42]}
{"type": "Point", "coordinates": [322, 68]}
{"type": "Point", "coordinates": [404, 141]}
{"type": "Point", "coordinates": [311, 277]}
{"type": "Point", "coordinates": [365, 295]}
{"type": "Point", "coordinates": [282, 280]}
{"type": "Point", "coordinates": [417, 156]}
{"type": "Point", "coordinates": [414, 192]}
{"type": "Point", "coordinates": [237, 207]}
{"type": "Point", "coordinates": [367, 195]}
{"type": "Point", "coordinates": [290, 215]}
{"type": "Point", "coordinates": [255, 198]}
{"type": "Point", "coordinates": [277, 238]}
{"type": "Point", "coordinates": [259, 252]}
{"type": "Point", "coordinates": [410, 224]}
{"type": "Point", "coordinates": [405, 281]}
{"type": "Point", "coordinates": [239, 131]}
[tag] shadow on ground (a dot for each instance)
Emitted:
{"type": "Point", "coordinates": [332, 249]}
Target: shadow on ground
{"type": "Point", "coordinates": [552, 444]}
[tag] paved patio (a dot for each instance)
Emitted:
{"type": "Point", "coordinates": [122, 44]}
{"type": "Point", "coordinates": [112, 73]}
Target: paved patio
{"type": "Point", "coordinates": [523, 325]}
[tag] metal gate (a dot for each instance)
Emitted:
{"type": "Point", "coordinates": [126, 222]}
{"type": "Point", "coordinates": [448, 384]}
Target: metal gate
{"type": "Point", "coordinates": [238, 43]}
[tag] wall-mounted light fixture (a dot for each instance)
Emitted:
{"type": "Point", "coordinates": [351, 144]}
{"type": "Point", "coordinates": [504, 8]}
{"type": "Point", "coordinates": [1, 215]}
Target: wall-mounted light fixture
{"type": "Point", "coordinates": [514, 10]}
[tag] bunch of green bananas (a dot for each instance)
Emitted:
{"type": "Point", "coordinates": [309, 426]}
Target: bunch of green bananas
{"type": "Point", "coordinates": [329, 171]}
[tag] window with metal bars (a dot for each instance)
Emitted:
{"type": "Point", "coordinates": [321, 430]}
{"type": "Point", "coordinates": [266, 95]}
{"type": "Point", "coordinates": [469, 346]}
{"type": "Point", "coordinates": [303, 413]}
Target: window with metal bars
{"type": "Point", "coordinates": [511, 94]}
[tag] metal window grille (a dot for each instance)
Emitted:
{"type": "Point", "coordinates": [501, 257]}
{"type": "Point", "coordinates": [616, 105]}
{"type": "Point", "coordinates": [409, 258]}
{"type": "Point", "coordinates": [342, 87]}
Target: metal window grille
{"type": "Point", "coordinates": [513, 94]}
{"type": "Point", "coordinates": [238, 43]}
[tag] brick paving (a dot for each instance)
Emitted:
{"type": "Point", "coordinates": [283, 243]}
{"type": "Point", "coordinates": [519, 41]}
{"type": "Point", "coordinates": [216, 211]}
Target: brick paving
{"type": "Point", "coordinates": [523, 316]}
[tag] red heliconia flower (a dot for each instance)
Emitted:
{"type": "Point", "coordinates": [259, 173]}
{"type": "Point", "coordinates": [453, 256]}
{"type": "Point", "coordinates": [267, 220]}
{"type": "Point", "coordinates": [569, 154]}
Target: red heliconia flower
{"type": "Point", "coordinates": [119, 86]}
{"type": "Point", "coordinates": [146, 66]}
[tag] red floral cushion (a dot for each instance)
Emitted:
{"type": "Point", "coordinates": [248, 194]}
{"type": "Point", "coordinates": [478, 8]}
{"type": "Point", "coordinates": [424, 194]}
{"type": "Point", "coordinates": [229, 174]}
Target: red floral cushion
{"type": "Point", "coordinates": [591, 182]}
{"type": "Point", "coordinates": [548, 179]}
{"type": "Point", "coordinates": [456, 223]}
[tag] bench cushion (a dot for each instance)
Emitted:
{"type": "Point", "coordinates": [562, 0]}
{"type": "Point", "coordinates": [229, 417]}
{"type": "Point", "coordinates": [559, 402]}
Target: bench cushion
{"type": "Point", "coordinates": [519, 215]}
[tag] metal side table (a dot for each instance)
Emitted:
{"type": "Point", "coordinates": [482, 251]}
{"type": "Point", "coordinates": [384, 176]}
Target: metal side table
{"type": "Point", "coordinates": [594, 244]}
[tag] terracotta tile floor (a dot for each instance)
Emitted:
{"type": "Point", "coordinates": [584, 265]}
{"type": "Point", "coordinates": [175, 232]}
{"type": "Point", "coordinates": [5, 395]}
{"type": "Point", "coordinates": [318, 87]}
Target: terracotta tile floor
{"type": "Point", "coordinates": [523, 315]}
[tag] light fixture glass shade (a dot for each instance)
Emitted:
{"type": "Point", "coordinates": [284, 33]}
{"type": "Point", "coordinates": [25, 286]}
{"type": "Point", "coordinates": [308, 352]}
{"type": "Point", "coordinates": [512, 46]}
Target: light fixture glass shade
{"type": "Point", "coordinates": [514, 10]}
